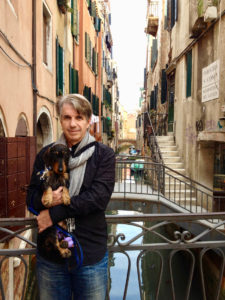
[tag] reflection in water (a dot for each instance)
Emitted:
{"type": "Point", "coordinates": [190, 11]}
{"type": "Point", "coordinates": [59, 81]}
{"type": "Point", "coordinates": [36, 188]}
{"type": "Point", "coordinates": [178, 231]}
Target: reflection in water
{"type": "Point", "coordinates": [150, 266]}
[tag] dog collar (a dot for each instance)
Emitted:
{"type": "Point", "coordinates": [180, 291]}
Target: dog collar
{"type": "Point", "coordinates": [43, 173]}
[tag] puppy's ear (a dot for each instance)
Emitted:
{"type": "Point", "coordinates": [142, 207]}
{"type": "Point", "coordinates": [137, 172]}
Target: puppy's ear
{"type": "Point", "coordinates": [46, 157]}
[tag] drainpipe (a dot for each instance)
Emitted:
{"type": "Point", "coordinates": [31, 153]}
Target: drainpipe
{"type": "Point", "coordinates": [34, 68]}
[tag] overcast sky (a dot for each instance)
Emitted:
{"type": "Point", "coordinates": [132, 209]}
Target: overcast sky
{"type": "Point", "coordinates": [129, 47]}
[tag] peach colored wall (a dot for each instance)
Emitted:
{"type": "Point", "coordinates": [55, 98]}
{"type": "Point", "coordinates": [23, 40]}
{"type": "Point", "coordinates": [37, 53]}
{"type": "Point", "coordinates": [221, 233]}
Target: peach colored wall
{"type": "Point", "coordinates": [16, 95]}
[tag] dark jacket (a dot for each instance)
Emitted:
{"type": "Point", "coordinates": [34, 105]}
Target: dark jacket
{"type": "Point", "coordinates": [88, 208]}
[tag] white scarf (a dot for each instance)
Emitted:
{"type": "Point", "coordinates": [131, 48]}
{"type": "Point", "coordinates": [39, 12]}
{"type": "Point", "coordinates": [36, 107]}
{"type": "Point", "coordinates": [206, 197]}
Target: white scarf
{"type": "Point", "coordinates": [77, 166]}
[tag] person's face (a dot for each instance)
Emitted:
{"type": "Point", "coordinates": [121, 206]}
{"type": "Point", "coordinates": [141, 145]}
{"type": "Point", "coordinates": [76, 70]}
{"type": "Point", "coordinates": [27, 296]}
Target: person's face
{"type": "Point", "coordinates": [74, 125]}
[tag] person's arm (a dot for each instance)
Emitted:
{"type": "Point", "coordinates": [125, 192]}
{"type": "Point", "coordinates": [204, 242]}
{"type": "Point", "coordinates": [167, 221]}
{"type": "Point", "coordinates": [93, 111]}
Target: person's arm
{"type": "Point", "coordinates": [96, 197]}
{"type": "Point", "coordinates": [34, 193]}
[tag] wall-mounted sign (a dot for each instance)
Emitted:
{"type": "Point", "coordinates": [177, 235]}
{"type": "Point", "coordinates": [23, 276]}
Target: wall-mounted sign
{"type": "Point", "coordinates": [210, 82]}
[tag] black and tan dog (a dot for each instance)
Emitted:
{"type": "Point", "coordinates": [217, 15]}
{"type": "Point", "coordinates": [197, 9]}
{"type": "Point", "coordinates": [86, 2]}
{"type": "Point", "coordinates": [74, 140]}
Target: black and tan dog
{"type": "Point", "coordinates": [52, 243]}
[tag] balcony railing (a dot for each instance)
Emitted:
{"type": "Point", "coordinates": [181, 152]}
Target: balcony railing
{"type": "Point", "coordinates": [153, 18]}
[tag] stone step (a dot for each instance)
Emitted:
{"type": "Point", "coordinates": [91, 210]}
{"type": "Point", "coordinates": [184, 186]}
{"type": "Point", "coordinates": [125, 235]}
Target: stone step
{"type": "Point", "coordinates": [169, 153]}
{"type": "Point", "coordinates": [166, 143]}
{"type": "Point", "coordinates": [172, 159]}
{"type": "Point", "coordinates": [175, 165]}
{"type": "Point", "coordinates": [179, 170]}
{"type": "Point", "coordinates": [165, 138]}
{"type": "Point", "coordinates": [165, 148]}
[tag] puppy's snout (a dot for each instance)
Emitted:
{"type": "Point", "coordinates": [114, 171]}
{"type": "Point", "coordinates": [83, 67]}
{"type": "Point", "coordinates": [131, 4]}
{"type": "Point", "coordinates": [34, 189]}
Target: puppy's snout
{"type": "Point", "coordinates": [60, 169]}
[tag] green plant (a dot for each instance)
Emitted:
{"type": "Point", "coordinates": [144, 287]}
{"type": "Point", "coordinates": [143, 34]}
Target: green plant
{"type": "Point", "coordinates": [63, 5]}
{"type": "Point", "coordinates": [200, 8]}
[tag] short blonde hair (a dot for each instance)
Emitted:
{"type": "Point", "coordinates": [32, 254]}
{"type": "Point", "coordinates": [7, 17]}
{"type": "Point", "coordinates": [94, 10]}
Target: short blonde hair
{"type": "Point", "coordinates": [79, 103]}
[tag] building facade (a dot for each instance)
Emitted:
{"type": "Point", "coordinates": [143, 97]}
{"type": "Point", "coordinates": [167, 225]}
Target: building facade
{"type": "Point", "coordinates": [49, 49]}
{"type": "Point", "coordinates": [185, 83]}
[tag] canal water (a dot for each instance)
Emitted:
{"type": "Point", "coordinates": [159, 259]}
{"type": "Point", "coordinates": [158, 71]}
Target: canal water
{"type": "Point", "coordinates": [149, 263]}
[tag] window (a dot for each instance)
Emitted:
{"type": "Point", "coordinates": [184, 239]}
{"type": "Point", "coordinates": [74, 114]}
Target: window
{"type": "Point", "coordinates": [59, 69]}
{"type": "Point", "coordinates": [75, 29]}
{"type": "Point", "coordinates": [189, 73]}
{"type": "Point", "coordinates": [171, 13]}
{"type": "Point", "coordinates": [163, 87]}
{"type": "Point", "coordinates": [74, 80]}
{"type": "Point", "coordinates": [154, 53]}
{"type": "Point", "coordinates": [47, 38]}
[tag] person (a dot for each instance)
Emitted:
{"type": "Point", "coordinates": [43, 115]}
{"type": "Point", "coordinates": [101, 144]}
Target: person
{"type": "Point", "coordinates": [92, 178]}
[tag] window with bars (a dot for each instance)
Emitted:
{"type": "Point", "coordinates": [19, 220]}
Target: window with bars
{"type": "Point", "coordinates": [59, 69]}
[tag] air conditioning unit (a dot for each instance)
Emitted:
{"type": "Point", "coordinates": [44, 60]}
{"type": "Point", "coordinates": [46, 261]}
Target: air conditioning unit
{"type": "Point", "coordinates": [210, 14]}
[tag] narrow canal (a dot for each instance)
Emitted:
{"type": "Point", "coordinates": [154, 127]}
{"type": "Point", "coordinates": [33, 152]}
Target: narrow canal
{"type": "Point", "coordinates": [150, 264]}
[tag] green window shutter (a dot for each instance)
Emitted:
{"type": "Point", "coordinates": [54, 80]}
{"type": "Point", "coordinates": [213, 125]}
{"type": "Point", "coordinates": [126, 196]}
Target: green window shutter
{"type": "Point", "coordinates": [163, 86]}
{"type": "Point", "coordinates": [152, 97]}
{"type": "Point", "coordinates": [74, 81]}
{"type": "Point", "coordinates": [166, 15]}
{"type": "Point", "coordinates": [176, 10]}
{"type": "Point", "coordinates": [70, 79]}
{"type": "Point", "coordinates": [77, 82]}
{"type": "Point", "coordinates": [96, 67]}
{"type": "Point", "coordinates": [59, 69]}
{"type": "Point", "coordinates": [75, 19]}
{"type": "Point", "coordinates": [90, 52]}
{"type": "Point", "coordinates": [189, 73]}
{"type": "Point", "coordinates": [86, 43]}
{"type": "Point", "coordinates": [72, 17]}
{"type": "Point", "coordinates": [97, 23]}
{"type": "Point", "coordinates": [93, 104]}
{"type": "Point", "coordinates": [93, 60]}
{"type": "Point", "coordinates": [97, 106]}
{"type": "Point", "coordinates": [78, 26]}
{"type": "Point", "coordinates": [156, 96]}
{"type": "Point", "coordinates": [89, 94]}
{"type": "Point", "coordinates": [154, 53]}
{"type": "Point", "coordinates": [93, 9]}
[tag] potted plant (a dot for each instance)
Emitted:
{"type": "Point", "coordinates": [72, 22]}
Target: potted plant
{"type": "Point", "coordinates": [63, 6]}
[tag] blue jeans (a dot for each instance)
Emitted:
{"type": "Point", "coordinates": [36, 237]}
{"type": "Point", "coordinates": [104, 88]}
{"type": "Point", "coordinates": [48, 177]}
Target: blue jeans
{"type": "Point", "coordinates": [57, 282]}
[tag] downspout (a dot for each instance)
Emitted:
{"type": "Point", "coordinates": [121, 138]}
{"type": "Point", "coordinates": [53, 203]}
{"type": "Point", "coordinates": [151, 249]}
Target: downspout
{"type": "Point", "coordinates": [34, 67]}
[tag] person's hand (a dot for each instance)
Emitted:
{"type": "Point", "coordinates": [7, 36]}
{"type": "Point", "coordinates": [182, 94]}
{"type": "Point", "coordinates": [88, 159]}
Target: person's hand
{"type": "Point", "coordinates": [52, 198]}
{"type": "Point", "coordinates": [44, 220]}
{"type": "Point", "coordinates": [57, 196]}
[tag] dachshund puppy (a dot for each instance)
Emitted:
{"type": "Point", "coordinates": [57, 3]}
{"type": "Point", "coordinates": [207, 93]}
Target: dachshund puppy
{"type": "Point", "coordinates": [56, 159]}
{"type": "Point", "coordinates": [53, 244]}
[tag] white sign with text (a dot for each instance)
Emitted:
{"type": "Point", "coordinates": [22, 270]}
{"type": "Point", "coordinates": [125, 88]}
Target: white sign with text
{"type": "Point", "coordinates": [210, 82]}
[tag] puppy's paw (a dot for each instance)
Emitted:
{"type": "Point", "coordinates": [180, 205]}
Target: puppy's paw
{"type": "Point", "coordinates": [47, 198]}
{"type": "Point", "coordinates": [65, 196]}
{"type": "Point", "coordinates": [63, 244]}
{"type": "Point", "coordinates": [65, 253]}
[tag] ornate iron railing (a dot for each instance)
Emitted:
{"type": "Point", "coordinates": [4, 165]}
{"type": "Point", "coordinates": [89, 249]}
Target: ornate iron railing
{"type": "Point", "coordinates": [150, 135]}
{"type": "Point", "coordinates": [163, 183]}
{"type": "Point", "coordinates": [162, 238]}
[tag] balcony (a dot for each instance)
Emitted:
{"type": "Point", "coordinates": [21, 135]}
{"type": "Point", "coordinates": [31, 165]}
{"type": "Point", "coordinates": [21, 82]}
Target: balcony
{"type": "Point", "coordinates": [153, 18]}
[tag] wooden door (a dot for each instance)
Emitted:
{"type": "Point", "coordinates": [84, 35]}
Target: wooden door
{"type": "Point", "coordinates": [16, 162]}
